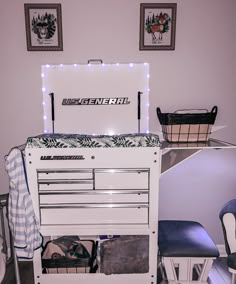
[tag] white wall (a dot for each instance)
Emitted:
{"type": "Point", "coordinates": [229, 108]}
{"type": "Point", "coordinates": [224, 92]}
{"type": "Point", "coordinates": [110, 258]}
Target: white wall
{"type": "Point", "coordinates": [198, 188]}
{"type": "Point", "coordinates": [199, 73]}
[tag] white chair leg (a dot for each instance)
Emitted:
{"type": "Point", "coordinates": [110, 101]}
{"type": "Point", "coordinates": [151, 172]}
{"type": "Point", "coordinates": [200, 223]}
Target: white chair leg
{"type": "Point", "coordinates": [185, 267]}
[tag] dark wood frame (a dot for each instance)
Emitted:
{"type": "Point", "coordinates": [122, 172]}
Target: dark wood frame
{"type": "Point", "coordinates": [171, 8]}
{"type": "Point", "coordinates": [34, 40]}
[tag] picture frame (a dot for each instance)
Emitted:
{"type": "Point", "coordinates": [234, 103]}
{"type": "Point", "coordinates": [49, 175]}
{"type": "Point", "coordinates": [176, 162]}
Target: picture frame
{"type": "Point", "coordinates": [43, 24]}
{"type": "Point", "coordinates": [157, 26]}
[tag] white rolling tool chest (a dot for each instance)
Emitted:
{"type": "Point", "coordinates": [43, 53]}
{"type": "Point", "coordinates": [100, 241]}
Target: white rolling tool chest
{"type": "Point", "coordinates": [91, 186]}
{"type": "Point", "coordinates": [106, 191]}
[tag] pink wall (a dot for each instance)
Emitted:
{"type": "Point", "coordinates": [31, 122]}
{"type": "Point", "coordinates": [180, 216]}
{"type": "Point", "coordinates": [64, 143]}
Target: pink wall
{"type": "Point", "coordinates": [199, 73]}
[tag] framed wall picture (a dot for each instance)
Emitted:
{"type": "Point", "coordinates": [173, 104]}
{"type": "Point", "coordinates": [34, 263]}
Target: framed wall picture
{"type": "Point", "coordinates": [157, 26]}
{"type": "Point", "coordinates": [43, 23]}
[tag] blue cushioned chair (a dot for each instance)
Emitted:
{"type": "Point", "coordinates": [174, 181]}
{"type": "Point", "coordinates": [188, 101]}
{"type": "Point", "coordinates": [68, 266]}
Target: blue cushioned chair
{"type": "Point", "coordinates": [186, 251]}
{"type": "Point", "coordinates": [228, 220]}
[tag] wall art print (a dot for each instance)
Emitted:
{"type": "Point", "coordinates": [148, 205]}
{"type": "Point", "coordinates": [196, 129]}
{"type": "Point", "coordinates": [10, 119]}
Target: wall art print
{"type": "Point", "coordinates": [43, 23]}
{"type": "Point", "coordinates": [157, 26]}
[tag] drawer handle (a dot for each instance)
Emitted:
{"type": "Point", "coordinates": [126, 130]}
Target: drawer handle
{"type": "Point", "coordinates": [65, 181]}
{"type": "Point", "coordinates": [91, 192]}
{"type": "Point", "coordinates": [94, 205]}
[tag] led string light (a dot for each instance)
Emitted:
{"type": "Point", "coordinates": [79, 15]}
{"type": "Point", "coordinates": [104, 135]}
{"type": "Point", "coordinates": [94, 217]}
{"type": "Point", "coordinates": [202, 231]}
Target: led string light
{"type": "Point", "coordinates": [43, 76]}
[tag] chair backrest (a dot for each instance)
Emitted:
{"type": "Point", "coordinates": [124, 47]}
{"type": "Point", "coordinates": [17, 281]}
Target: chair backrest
{"type": "Point", "coordinates": [228, 220]}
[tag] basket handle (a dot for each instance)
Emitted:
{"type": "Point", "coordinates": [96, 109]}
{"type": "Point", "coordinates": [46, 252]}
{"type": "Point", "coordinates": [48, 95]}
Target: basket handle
{"type": "Point", "coordinates": [158, 111]}
{"type": "Point", "coordinates": [214, 109]}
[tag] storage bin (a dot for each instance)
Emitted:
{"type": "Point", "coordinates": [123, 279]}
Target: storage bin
{"type": "Point", "coordinates": [187, 126]}
{"type": "Point", "coordinates": [68, 254]}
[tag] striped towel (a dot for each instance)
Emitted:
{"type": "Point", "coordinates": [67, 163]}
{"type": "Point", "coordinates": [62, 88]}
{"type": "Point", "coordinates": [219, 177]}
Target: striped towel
{"type": "Point", "coordinates": [23, 223]}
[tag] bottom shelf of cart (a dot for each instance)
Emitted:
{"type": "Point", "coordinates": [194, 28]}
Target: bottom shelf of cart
{"type": "Point", "coordinates": [87, 278]}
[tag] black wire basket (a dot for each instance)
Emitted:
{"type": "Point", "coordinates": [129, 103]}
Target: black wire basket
{"type": "Point", "coordinates": [188, 126]}
{"type": "Point", "coordinates": [64, 265]}
{"type": "Point", "coordinates": [80, 257]}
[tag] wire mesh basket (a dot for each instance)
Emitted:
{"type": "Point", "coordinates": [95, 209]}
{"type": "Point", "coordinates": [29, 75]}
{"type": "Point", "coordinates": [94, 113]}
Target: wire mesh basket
{"type": "Point", "coordinates": [187, 125]}
{"type": "Point", "coordinates": [64, 265]}
{"type": "Point", "coordinates": [65, 255]}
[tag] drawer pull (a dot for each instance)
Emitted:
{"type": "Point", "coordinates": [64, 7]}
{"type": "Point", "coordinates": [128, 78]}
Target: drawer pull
{"type": "Point", "coordinates": [94, 192]}
{"type": "Point", "coordinates": [94, 205]}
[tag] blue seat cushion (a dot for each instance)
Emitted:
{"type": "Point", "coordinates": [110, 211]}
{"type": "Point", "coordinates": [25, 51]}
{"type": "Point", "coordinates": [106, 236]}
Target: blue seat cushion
{"type": "Point", "coordinates": [231, 260]}
{"type": "Point", "coordinates": [185, 239]}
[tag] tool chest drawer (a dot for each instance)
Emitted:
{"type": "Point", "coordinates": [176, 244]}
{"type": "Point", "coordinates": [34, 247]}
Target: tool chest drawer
{"type": "Point", "coordinates": [62, 185]}
{"type": "Point", "coordinates": [67, 174]}
{"type": "Point", "coordinates": [93, 197]}
{"type": "Point", "coordinates": [90, 214]}
{"type": "Point", "coordinates": [121, 178]}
